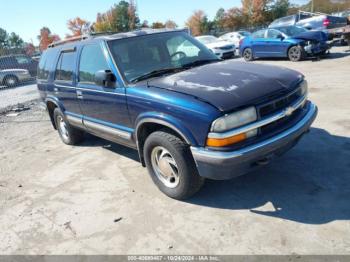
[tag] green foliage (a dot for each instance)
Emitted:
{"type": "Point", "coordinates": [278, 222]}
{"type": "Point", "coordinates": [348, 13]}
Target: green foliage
{"type": "Point", "coordinates": [3, 38]}
{"type": "Point", "coordinates": [279, 8]}
{"type": "Point", "coordinates": [121, 17]}
{"type": "Point", "coordinates": [15, 40]}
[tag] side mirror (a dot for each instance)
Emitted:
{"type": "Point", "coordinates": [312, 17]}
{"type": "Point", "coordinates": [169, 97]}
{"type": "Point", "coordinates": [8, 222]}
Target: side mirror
{"type": "Point", "coordinates": [280, 36]}
{"type": "Point", "coordinates": [105, 78]}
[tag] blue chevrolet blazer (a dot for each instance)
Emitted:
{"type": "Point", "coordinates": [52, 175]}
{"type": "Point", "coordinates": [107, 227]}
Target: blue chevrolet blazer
{"type": "Point", "coordinates": [189, 114]}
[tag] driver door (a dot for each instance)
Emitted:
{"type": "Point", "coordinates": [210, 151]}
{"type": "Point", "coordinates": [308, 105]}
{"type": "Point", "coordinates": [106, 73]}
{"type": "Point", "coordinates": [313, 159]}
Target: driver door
{"type": "Point", "coordinates": [276, 44]}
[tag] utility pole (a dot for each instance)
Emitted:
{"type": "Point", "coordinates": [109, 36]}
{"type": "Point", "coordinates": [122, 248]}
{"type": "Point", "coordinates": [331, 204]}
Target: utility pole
{"type": "Point", "coordinates": [312, 6]}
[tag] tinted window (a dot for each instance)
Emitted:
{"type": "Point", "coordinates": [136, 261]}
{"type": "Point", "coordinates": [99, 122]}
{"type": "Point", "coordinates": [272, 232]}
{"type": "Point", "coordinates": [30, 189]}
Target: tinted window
{"type": "Point", "coordinates": [91, 61]}
{"type": "Point", "coordinates": [65, 66]}
{"type": "Point", "coordinates": [46, 61]}
{"type": "Point", "coordinates": [41, 69]}
{"type": "Point", "coordinates": [259, 34]}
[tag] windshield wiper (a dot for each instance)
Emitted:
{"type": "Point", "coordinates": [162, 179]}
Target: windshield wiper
{"type": "Point", "coordinates": [155, 73]}
{"type": "Point", "coordinates": [199, 63]}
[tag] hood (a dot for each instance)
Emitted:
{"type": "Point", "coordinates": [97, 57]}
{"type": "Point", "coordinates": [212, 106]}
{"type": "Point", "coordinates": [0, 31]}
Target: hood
{"type": "Point", "coordinates": [311, 35]}
{"type": "Point", "coordinates": [219, 44]}
{"type": "Point", "coordinates": [229, 84]}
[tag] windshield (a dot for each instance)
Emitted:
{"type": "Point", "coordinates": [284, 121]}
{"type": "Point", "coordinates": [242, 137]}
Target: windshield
{"type": "Point", "coordinates": [207, 39]}
{"type": "Point", "coordinates": [292, 30]}
{"type": "Point", "coordinates": [142, 55]}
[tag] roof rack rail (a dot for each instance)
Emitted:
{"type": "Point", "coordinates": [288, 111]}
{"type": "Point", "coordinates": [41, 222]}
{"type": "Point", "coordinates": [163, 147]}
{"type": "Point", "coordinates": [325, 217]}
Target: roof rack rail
{"type": "Point", "coordinates": [71, 39]}
{"type": "Point", "coordinates": [311, 13]}
{"type": "Point", "coordinates": [81, 37]}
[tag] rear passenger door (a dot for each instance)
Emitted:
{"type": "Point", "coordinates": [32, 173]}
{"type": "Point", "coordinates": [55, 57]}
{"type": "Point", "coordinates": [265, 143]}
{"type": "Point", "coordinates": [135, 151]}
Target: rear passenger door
{"type": "Point", "coordinates": [104, 108]}
{"type": "Point", "coordinates": [64, 82]}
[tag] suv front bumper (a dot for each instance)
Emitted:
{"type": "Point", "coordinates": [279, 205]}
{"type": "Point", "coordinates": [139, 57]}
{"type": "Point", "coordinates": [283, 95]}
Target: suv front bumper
{"type": "Point", "coordinates": [225, 165]}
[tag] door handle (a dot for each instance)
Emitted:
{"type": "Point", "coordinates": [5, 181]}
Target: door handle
{"type": "Point", "coordinates": [79, 94]}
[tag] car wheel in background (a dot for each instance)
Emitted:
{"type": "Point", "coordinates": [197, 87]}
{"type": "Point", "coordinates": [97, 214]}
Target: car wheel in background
{"type": "Point", "coordinates": [171, 165]}
{"type": "Point", "coordinates": [11, 81]}
{"type": "Point", "coordinates": [295, 53]}
{"type": "Point", "coordinates": [68, 134]}
{"type": "Point", "coordinates": [248, 54]}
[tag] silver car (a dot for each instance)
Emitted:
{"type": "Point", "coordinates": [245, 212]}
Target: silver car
{"type": "Point", "coordinates": [13, 77]}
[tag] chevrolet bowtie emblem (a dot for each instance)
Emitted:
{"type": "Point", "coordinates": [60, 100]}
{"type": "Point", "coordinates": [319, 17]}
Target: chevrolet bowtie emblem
{"type": "Point", "coordinates": [289, 111]}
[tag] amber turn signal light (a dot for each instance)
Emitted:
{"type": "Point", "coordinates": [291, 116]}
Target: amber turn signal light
{"type": "Point", "coordinates": [217, 142]}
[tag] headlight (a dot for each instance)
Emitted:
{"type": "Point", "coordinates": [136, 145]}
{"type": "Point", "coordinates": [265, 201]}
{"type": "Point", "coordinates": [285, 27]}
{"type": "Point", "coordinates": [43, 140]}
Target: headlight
{"type": "Point", "coordinates": [230, 121]}
{"type": "Point", "coordinates": [233, 120]}
{"type": "Point", "coordinates": [303, 87]}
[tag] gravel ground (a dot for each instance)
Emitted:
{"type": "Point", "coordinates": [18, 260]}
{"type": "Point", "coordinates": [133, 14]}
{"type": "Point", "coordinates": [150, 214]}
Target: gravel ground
{"type": "Point", "coordinates": [19, 95]}
{"type": "Point", "coordinates": [96, 198]}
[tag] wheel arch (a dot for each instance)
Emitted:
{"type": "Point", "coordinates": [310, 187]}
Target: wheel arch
{"type": "Point", "coordinates": [51, 104]}
{"type": "Point", "coordinates": [148, 125]}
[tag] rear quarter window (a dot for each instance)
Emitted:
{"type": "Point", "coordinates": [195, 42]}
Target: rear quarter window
{"type": "Point", "coordinates": [46, 63]}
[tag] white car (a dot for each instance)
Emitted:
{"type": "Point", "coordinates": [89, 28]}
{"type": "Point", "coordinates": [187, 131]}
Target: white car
{"type": "Point", "coordinates": [234, 37]}
{"type": "Point", "coordinates": [220, 48]}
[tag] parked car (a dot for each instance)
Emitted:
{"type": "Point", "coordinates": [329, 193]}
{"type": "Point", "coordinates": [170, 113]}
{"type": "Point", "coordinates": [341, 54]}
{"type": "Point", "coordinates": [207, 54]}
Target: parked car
{"type": "Point", "coordinates": [220, 48]}
{"type": "Point", "coordinates": [13, 77]}
{"type": "Point", "coordinates": [189, 118]}
{"type": "Point", "coordinates": [234, 37]}
{"type": "Point", "coordinates": [19, 62]}
{"type": "Point", "coordinates": [312, 21]}
{"type": "Point", "coordinates": [292, 42]}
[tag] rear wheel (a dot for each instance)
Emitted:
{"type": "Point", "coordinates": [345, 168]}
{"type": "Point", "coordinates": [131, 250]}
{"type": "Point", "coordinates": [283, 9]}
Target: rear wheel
{"type": "Point", "coordinates": [295, 53]}
{"type": "Point", "coordinates": [171, 165]}
{"type": "Point", "coordinates": [11, 81]}
{"type": "Point", "coordinates": [68, 134]}
{"type": "Point", "coordinates": [248, 54]}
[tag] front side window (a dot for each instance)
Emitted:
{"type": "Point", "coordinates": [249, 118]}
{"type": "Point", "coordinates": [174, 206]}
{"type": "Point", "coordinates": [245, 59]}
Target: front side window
{"type": "Point", "coordinates": [91, 61]}
{"type": "Point", "coordinates": [65, 66]}
{"type": "Point", "coordinates": [271, 33]}
{"type": "Point", "coordinates": [259, 34]}
{"type": "Point", "coordinates": [141, 55]}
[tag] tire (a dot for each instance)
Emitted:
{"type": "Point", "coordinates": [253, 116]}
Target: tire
{"type": "Point", "coordinates": [11, 81]}
{"type": "Point", "coordinates": [171, 165]}
{"type": "Point", "coordinates": [295, 53]}
{"type": "Point", "coordinates": [248, 54]}
{"type": "Point", "coordinates": [68, 134]}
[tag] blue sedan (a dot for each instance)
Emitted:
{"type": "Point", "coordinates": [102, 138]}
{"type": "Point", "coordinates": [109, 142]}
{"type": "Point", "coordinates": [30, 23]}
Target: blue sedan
{"type": "Point", "coordinates": [291, 42]}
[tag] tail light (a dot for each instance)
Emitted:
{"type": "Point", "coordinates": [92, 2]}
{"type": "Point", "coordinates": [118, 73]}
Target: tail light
{"type": "Point", "coordinates": [240, 42]}
{"type": "Point", "coordinates": [326, 22]}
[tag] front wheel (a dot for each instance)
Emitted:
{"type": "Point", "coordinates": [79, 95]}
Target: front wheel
{"type": "Point", "coordinates": [171, 165]}
{"type": "Point", "coordinates": [295, 53]}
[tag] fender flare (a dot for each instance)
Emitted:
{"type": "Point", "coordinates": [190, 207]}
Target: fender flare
{"type": "Point", "coordinates": [165, 120]}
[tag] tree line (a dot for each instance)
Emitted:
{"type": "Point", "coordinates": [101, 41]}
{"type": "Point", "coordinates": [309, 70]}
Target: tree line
{"type": "Point", "coordinates": [123, 17]}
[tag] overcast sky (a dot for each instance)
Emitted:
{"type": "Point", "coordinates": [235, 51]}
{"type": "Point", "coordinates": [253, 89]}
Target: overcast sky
{"type": "Point", "coordinates": [27, 17]}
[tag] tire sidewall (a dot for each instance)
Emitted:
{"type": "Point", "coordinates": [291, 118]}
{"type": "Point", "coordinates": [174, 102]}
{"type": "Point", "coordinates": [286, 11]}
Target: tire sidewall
{"type": "Point", "coordinates": [58, 113]}
{"type": "Point", "coordinates": [300, 53]}
{"type": "Point", "coordinates": [183, 161]}
{"type": "Point", "coordinates": [251, 54]}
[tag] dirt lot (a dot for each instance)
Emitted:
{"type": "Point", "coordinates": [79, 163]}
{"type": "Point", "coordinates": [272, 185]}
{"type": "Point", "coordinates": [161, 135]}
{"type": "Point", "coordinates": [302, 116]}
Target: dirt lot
{"type": "Point", "coordinates": [96, 198]}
